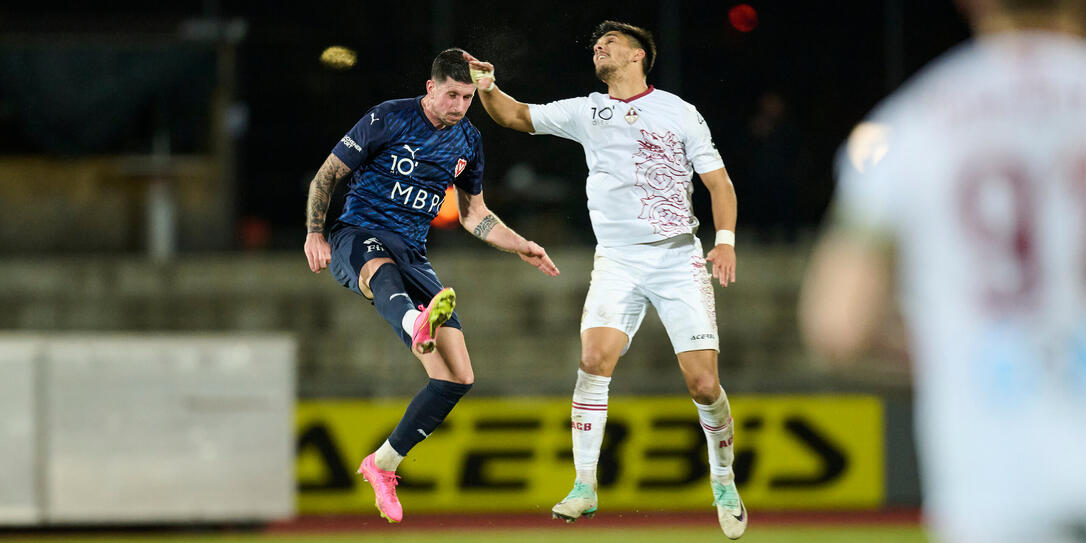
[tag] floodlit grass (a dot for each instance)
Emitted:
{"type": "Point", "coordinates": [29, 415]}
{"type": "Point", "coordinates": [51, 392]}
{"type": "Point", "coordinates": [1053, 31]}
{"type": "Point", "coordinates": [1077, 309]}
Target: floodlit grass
{"type": "Point", "coordinates": [578, 534]}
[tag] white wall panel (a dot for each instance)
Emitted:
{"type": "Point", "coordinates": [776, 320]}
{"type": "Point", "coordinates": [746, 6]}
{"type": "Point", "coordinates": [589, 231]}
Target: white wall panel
{"type": "Point", "coordinates": [165, 428]}
{"type": "Point", "coordinates": [18, 458]}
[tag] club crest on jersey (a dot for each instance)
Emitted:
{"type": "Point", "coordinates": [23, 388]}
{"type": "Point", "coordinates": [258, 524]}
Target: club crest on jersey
{"type": "Point", "coordinates": [631, 116]}
{"type": "Point", "coordinates": [460, 165]}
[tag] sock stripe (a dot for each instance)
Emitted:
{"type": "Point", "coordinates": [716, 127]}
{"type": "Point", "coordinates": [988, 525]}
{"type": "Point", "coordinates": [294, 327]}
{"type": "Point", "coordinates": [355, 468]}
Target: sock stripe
{"type": "Point", "coordinates": [717, 428]}
{"type": "Point", "coordinates": [590, 406]}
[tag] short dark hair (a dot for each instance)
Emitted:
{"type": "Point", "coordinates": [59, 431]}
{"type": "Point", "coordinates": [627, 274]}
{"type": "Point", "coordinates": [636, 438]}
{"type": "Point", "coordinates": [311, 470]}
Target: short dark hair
{"type": "Point", "coordinates": [450, 63]}
{"type": "Point", "coordinates": [642, 39]}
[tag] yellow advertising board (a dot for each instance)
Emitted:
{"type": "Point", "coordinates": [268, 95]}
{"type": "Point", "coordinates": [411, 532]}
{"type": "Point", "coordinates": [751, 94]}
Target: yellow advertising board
{"type": "Point", "coordinates": [502, 454]}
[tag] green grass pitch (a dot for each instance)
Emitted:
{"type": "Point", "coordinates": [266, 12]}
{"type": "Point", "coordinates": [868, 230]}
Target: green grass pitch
{"type": "Point", "coordinates": [579, 534]}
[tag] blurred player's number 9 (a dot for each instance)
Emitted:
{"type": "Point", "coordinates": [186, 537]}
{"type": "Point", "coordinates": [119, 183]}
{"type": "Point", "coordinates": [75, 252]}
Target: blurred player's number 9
{"type": "Point", "coordinates": [1011, 248]}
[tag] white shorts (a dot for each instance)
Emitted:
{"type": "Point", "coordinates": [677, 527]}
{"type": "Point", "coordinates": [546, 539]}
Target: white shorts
{"type": "Point", "coordinates": [668, 274]}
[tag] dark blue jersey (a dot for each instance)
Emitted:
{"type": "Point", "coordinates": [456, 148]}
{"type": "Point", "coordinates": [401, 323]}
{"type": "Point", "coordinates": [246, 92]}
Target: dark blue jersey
{"type": "Point", "coordinates": [402, 165]}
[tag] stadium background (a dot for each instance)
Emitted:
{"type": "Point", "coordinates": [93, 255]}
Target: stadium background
{"type": "Point", "coordinates": [154, 161]}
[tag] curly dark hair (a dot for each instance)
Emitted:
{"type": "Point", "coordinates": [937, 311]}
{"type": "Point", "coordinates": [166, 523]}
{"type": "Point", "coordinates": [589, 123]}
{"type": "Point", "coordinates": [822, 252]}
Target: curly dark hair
{"type": "Point", "coordinates": [450, 63]}
{"type": "Point", "coordinates": [641, 38]}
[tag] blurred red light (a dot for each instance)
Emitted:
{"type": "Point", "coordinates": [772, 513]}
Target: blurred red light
{"type": "Point", "coordinates": [743, 17]}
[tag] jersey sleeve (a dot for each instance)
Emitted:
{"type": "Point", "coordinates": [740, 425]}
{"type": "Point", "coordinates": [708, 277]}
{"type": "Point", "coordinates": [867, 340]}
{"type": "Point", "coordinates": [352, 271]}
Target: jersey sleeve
{"type": "Point", "coordinates": [561, 118]}
{"type": "Point", "coordinates": [471, 180]}
{"type": "Point", "coordinates": [700, 149]}
{"type": "Point", "coordinates": [363, 140]}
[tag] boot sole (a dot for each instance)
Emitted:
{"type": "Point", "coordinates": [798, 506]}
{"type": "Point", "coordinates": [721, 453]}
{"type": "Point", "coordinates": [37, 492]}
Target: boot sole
{"type": "Point", "coordinates": [440, 313]}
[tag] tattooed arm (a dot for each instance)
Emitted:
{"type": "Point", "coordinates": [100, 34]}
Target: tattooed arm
{"type": "Point", "coordinates": [317, 250]}
{"type": "Point", "coordinates": [476, 218]}
{"type": "Point", "coordinates": [320, 192]}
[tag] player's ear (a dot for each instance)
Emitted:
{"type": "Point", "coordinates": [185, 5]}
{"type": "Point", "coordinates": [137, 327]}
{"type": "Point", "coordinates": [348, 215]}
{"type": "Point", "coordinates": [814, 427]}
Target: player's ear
{"type": "Point", "coordinates": [430, 86]}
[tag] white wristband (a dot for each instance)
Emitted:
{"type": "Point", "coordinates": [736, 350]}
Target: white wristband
{"type": "Point", "coordinates": [727, 237]}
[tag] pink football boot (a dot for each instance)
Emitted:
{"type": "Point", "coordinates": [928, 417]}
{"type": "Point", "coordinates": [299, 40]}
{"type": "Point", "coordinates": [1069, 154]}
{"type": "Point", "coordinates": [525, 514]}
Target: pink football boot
{"type": "Point", "coordinates": [432, 317]}
{"type": "Point", "coordinates": [384, 487]}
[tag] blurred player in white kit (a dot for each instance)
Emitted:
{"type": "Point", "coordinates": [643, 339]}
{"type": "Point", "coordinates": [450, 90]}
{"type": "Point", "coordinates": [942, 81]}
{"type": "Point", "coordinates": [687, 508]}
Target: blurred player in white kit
{"type": "Point", "coordinates": [976, 183]}
{"type": "Point", "coordinates": [642, 146]}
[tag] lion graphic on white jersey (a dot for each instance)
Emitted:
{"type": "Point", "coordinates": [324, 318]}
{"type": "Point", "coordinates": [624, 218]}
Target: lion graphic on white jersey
{"type": "Point", "coordinates": [661, 173]}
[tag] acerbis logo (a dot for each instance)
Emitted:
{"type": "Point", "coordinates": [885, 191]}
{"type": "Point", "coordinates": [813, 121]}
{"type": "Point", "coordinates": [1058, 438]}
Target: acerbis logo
{"type": "Point", "coordinates": [350, 143]}
{"type": "Point", "coordinates": [702, 336]}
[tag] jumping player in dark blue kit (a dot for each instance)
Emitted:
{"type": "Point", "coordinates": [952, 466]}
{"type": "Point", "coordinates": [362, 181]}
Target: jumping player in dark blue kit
{"type": "Point", "coordinates": [400, 158]}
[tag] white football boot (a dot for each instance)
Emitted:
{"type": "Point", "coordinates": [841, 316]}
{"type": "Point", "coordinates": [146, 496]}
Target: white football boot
{"type": "Point", "coordinates": [730, 510]}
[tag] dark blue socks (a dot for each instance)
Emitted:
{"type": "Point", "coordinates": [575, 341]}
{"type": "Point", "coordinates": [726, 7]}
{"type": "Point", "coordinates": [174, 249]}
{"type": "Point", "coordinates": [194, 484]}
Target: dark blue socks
{"type": "Point", "coordinates": [389, 295]}
{"type": "Point", "coordinates": [434, 402]}
{"type": "Point", "coordinates": [430, 406]}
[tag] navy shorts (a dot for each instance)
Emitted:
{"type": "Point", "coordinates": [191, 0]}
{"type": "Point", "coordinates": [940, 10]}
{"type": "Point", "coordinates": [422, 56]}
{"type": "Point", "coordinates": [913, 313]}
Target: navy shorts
{"type": "Point", "coordinates": [353, 246]}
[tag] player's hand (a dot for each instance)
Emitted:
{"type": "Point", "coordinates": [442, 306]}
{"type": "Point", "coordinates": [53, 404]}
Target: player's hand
{"type": "Point", "coordinates": [723, 258]}
{"type": "Point", "coordinates": [317, 251]}
{"type": "Point", "coordinates": [535, 255]}
{"type": "Point", "coordinates": [482, 73]}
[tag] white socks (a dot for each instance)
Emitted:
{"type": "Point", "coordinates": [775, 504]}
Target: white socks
{"type": "Point", "coordinates": [716, 422]}
{"type": "Point", "coordinates": [588, 417]}
{"type": "Point", "coordinates": [409, 321]}
{"type": "Point", "coordinates": [387, 458]}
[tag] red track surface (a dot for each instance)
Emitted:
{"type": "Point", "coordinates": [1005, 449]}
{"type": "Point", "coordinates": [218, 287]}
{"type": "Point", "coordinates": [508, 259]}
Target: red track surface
{"type": "Point", "coordinates": [353, 523]}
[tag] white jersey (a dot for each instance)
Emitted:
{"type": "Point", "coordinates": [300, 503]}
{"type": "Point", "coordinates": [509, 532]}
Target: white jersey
{"type": "Point", "coordinates": [642, 153]}
{"type": "Point", "coordinates": [980, 176]}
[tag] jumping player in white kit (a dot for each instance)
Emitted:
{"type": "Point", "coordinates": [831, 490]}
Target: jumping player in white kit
{"type": "Point", "coordinates": [978, 181]}
{"type": "Point", "coordinates": [643, 146]}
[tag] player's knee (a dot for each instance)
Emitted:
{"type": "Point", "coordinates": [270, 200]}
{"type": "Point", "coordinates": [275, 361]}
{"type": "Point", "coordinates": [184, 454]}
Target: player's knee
{"type": "Point", "coordinates": [369, 269]}
{"type": "Point", "coordinates": [463, 378]}
{"type": "Point", "coordinates": [596, 361]}
{"type": "Point", "coordinates": [704, 390]}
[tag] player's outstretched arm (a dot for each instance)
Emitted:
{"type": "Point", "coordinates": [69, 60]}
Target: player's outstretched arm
{"type": "Point", "coordinates": [844, 294]}
{"type": "Point", "coordinates": [725, 209]}
{"type": "Point", "coordinates": [501, 107]}
{"type": "Point", "coordinates": [476, 218]}
{"type": "Point", "coordinates": [317, 250]}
